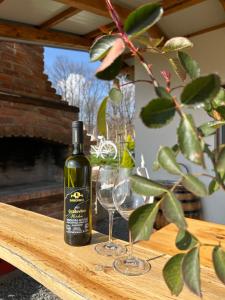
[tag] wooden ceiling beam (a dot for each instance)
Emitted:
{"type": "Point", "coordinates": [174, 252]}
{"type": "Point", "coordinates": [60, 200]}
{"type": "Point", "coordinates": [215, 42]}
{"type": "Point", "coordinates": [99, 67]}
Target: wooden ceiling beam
{"type": "Point", "coordinates": [27, 33]}
{"type": "Point", "coordinates": [101, 30]}
{"type": "Point", "coordinates": [171, 6]}
{"type": "Point", "coordinates": [97, 7]}
{"type": "Point", "coordinates": [205, 30]}
{"type": "Point", "coordinates": [66, 14]}
{"type": "Point", "coordinates": [223, 3]}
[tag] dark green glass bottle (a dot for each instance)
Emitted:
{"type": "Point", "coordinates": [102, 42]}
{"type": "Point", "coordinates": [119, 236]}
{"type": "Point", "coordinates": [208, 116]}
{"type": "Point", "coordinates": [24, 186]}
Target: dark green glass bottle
{"type": "Point", "coordinates": [77, 193]}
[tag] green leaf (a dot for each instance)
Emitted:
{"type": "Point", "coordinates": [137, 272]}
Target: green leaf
{"type": "Point", "coordinates": [189, 65]}
{"type": "Point", "coordinates": [176, 149]}
{"type": "Point", "coordinates": [156, 165]}
{"type": "Point", "coordinates": [201, 89]}
{"type": "Point", "coordinates": [141, 19]}
{"type": "Point", "coordinates": [101, 46]}
{"type": "Point", "coordinates": [112, 71]}
{"type": "Point", "coordinates": [218, 256]}
{"type": "Point", "coordinates": [189, 142]}
{"type": "Point", "coordinates": [101, 117]}
{"type": "Point", "coordinates": [115, 51]}
{"type": "Point", "coordinates": [213, 187]}
{"type": "Point", "coordinates": [220, 166]}
{"type": "Point", "coordinates": [158, 112]}
{"type": "Point", "coordinates": [167, 161]}
{"type": "Point", "coordinates": [191, 271]}
{"type": "Point", "coordinates": [176, 44]}
{"type": "Point", "coordinates": [208, 107]}
{"type": "Point", "coordinates": [221, 111]}
{"type": "Point", "coordinates": [185, 240]}
{"type": "Point", "coordinates": [172, 274]}
{"type": "Point", "coordinates": [173, 211]}
{"type": "Point", "coordinates": [193, 184]}
{"type": "Point", "coordinates": [148, 41]}
{"type": "Point", "coordinates": [141, 221]}
{"type": "Point", "coordinates": [219, 99]}
{"type": "Point", "coordinates": [210, 128]}
{"type": "Point", "coordinates": [146, 187]}
{"type": "Point", "coordinates": [162, 93]}
{"type": "Point", "coordinates": [116, 95]}
{"type": "Point", "coordinates": [177, 67]}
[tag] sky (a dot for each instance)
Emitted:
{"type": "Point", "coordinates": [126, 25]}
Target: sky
{"type": "Point", "coordinates": [50, 55]}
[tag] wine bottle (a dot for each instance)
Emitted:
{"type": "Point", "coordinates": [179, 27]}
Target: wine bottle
{"type": "Point", "coordinates": [77, 193]}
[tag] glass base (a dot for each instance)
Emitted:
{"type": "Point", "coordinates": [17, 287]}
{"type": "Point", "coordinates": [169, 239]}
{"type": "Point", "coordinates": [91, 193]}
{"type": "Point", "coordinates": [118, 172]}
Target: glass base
{"type": "Point", "coordinates": [110, 249]}
{"type": "Point", "coordinates": [131, 266]}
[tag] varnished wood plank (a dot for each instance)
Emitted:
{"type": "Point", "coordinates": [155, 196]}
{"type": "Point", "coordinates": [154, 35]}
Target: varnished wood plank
{"type": "Point", "coordinates": [223, 3]}
{"type": "Point", "coordinates": [34, 243]}
{"type": "Point", "coordinates": [164, 239]}
{"type": "Point", "coordinates": [27, 33]}
{"type": "Point", "coordinates": [66, 14]}
{"type": "Point", "coordinates": [205, 30]}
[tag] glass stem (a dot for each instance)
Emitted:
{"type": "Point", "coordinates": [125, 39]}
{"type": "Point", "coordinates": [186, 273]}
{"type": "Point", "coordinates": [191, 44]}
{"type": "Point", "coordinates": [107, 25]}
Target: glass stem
{"type": "Point", "coordinates": [111, 213]}
{"type": "Point", "coordinates": [130, 253]}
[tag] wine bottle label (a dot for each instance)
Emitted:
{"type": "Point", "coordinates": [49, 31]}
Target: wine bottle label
{"type": "Point", "coordinates": [77, 202]}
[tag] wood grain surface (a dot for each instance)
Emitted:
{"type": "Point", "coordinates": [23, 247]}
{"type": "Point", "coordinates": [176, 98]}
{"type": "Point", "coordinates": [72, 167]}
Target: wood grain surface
{"type": "Point", "coordinates": [163, 240]}
{"type": "Point", "coordinates": [34, 244]}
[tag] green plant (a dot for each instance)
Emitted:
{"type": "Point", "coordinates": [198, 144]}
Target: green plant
{"type": "Point", "coordinates": [202, 92]}
{"type": "Point", "coordinates": [98, 161]}
{"type": "Point", "coordinates": [127, 160]}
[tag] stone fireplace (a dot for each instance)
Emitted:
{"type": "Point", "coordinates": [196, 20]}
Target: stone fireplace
{"type": "Point", "coordinates": [35, 132]}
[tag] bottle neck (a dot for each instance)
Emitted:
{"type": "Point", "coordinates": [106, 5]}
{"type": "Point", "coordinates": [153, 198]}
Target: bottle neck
{"type": "Point", "coordinates": [77, 138]}
{"type": "Point", "coordinates": [78, 148]}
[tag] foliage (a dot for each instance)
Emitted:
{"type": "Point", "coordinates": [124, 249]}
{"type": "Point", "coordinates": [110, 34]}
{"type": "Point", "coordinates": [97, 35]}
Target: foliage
{"type": "Point", "coordinates": [101, 118]}
{"type": "Point", "coordinates": [120, 108]}
{"type": "Point", "coordinates": [98, 161]}
{"type": "Point", "coordinates": [201, 92]}
{"type": "Point", "coordinates": [127, 160]}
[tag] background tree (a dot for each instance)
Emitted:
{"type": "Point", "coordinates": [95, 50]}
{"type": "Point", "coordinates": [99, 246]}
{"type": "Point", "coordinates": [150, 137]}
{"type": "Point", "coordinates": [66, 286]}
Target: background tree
{"type": "Point", "coordinates": [121, 115]}
{"type": "Point", "coordinates": [79, 87]}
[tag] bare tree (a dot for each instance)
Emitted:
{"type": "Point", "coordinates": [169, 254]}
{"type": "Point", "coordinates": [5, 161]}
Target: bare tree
{"type": "Point", "coordinates": [79, 87]}
{"type": "Point", "coordinates": [121, 116]}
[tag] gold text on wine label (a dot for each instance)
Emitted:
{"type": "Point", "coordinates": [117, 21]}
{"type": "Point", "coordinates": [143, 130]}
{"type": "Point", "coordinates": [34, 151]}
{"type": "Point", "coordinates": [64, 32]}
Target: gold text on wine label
{"type": "Point", "coordinates": [76, 197]}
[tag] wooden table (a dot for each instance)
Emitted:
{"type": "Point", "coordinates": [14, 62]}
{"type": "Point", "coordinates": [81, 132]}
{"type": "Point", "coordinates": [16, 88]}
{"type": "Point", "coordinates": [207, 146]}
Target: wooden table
{"type": "Point", "coordinates": [34, 244]}
{"type": "Point", "coordinates": [211, 233]}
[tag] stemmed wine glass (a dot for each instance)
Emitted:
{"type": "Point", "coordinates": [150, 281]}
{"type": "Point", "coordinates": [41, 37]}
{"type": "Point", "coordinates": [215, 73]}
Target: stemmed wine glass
{"type": "Point", "coordinates": [104, 187]}
{"type": "Point", "coordinates": [126, 201]}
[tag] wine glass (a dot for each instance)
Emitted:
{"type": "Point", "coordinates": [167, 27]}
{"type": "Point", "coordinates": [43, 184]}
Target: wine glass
{"type": "Point", "coordinates": [104, 187]}
{"type": "Point", "coordinates": [126, 201]}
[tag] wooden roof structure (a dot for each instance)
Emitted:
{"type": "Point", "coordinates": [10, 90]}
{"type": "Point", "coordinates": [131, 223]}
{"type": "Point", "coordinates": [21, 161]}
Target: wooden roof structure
{"type": "Point", "coordinates": [74, 24]}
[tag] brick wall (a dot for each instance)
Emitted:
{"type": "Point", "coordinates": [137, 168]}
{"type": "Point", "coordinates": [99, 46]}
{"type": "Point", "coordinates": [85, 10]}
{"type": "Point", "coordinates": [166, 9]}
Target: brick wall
{"type": "Point", "coordinates": [38, 111]}
{"type": "Point", "coordinates": [22, 71]}
{"type": "Point", "coordinates": [20, 119]}
{"type": "Point", "coordinates": [30, 108]}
